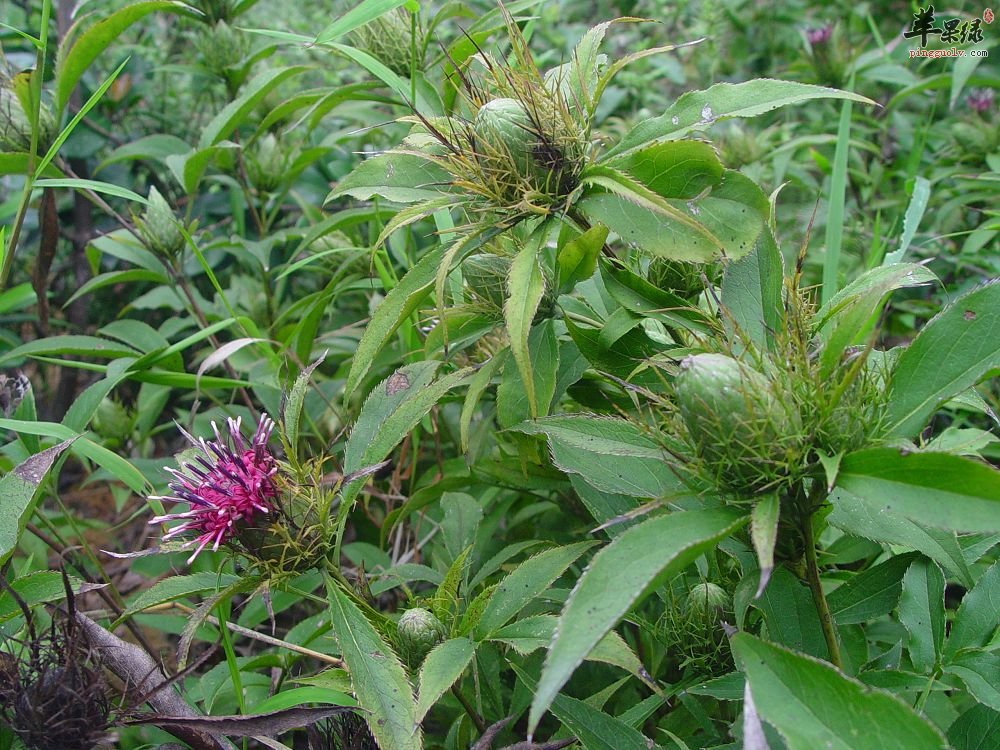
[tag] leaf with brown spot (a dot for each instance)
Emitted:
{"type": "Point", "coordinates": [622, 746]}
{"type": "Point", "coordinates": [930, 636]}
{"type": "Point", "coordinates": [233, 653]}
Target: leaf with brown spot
{"type": "Point", "coordinates": [19, 493]}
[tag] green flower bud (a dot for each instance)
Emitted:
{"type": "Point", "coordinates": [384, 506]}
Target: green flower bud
{"type": "Point", "coordinates": [691, 631]}
{"type": "Point", "coordinates": [507, 130]}
{"type": "Point", "coordinates": [112, 419]}
{"type": "Point", "coordinates": [267, 163]}
{"type": "Point", "coordinates": [976, 140]}
{"type": "Point", "coordinates": [159, 229]}
{"type": "Point", "coordinates": [418, 631]}
{"type": "Point", "coordinates": [389, 39]}
{"type": "Point", "coordinates": [680, 277]}
{"type": "Point", "coordinates": [736, 424]}
{"type": "Point", "coordinates": [15, 125]}
{"type": "Point", "coordinates": [706, 601]}
{"type": "Point", "coordinates": [221, 47]}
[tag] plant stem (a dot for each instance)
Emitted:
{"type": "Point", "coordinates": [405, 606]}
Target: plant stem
{"type": "Point", "coordinates": [7, 254]}
{"type": "Point", "coordinates": [469, 709]}
{"type": "Point", "coordinates": [822, 608]}
{"type": "Point", "coordinates": [182, 283]}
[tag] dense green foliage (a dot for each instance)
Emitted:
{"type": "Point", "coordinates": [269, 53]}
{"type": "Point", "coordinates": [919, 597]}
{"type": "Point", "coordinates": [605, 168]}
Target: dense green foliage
{"type": "Point", "coordinates": [540, 375]}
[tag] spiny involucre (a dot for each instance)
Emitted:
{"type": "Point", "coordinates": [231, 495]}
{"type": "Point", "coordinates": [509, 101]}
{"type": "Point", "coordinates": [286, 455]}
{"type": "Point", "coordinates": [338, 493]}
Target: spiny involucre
{"type": "Point", "coordinates": [419, 631]}
{"type": "Point", "coordinates": [736, 423]}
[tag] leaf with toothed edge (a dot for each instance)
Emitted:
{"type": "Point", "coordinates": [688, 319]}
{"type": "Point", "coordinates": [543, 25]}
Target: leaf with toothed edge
{"type": "Point", "coordinates": [379, 680]}
{"type": "Point", "coordinates": [796, 693]}
{"type": "Point", "coordinates": [955, 350]}
{"type": "Point", "coordinates": [698, 110]}
{"type": "Point", "coordinates": [645, 556]}
{"type": "Point", "coordinates": [526, 289]}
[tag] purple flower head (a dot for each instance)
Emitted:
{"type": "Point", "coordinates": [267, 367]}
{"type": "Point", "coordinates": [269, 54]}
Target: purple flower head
{"type": "Point", "coordinates": [980, 100]}
{"type": "Point", "coordinates": [230, 482]}
{"type": "Point", "coordinates": [819, 36]}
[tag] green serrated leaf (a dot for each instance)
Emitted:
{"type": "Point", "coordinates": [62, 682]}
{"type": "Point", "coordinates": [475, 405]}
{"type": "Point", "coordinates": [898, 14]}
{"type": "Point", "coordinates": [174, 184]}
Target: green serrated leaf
{"type": "Point", "coordinates": [178, 587]}
{"type": "Point", "coordinates": [512, 397]}
{"type": "Point", "coordinates": [85, 46]}
{"type": "Point", "coordinates": [697, 110]}
{"type": "Point", "coordinates": [921, 612]}
{"type": "Point", "coordinates": [291, 412]}
{"type": "Point", "coordinates": [441, 668]}
{"type": "Point", "coordinates": [610, 454]}
{"type": "Point", "coordinates": [976, 729]}
{"type": "Point", "coordinates": [35, 588]}
{"type": "Point", "coordinates": [397, 305]}
{"type": "Point", "coordinates": [860, 518]}
{"type": "Point", "coordinates": [848, 316]}
{"type": "Point", "coordinates": [934, 489]}
{"type": "Point", "coordinates": [524, 583]}
{"type": "Point", "coordinates": [638, 296]}
{"type": "Point", "coordinates": [980, 671]}
{"type": "Point", "coordinates": [953, 352]}
{"type": "Point", "coordinates": [378, 677]}
{"type": "Point", "coordinates": [526, 287]}
{"type": "Point", "coordinates": [19, 494]}
{"type": "Point", "coordinates": [678, 169]}
{"type": "Point", "coordinates": [577, 258]}
{"type": "Point", "coordinates": [871, 593]}
{"type": "Point", "coordinates": [393, 409]}
{"type": "Point", "coordinates": [764, 535]}
{"type": "Point", "coordinates": [976, 620]}
{"type": "Point", "coordinates": [78, 345]}
{"type": "Point", "coordinates": [234, 113]}
{"type": "Point", "coordinates": [794, 693]}
{"type": "Point", "coordinates": [751, 292]}
{"type": "Point", "coordinates": [401, 178]}
{"type": "Point", "coordinates": [645, 556]}
{"type": "Point", "coordinates": [595, 729]}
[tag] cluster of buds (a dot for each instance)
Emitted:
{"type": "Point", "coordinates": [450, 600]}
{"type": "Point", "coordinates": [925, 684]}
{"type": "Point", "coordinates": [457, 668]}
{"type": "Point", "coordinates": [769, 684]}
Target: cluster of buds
{"type": "Point", "coordinates": [758, 421]}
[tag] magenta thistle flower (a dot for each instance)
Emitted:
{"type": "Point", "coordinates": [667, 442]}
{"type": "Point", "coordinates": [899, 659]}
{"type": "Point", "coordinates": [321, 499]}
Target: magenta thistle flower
{"type": "Point", "coordinates": [980, 100]}
{"type": "Point", "coordinates": [819, 36]}
{"type": "Point", "coordinates": [229, 483]}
